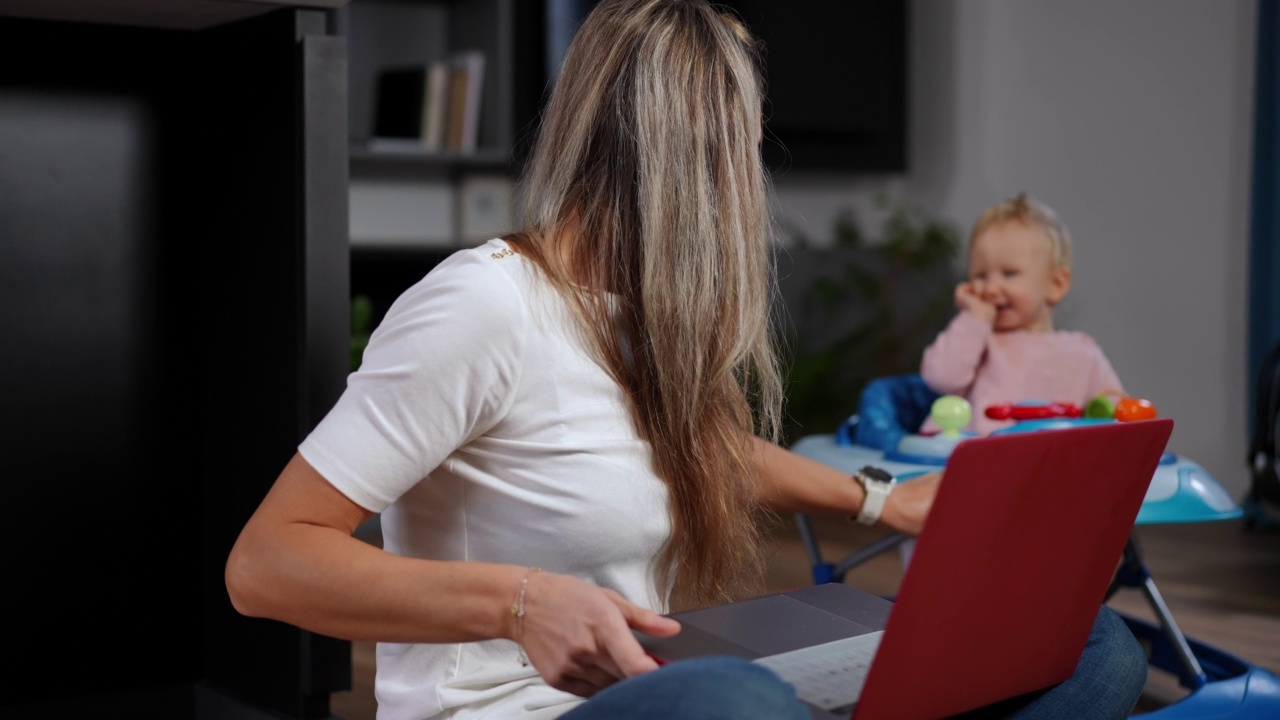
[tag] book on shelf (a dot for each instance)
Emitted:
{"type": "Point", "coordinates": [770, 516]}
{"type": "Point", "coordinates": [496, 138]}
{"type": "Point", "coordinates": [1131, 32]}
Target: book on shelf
{"type": "Point", "coordinates": [433, 107]}
{"type": "Point", "coordinates": [466, 88]}
{"type": "Point", "coordinates": [433, 114]}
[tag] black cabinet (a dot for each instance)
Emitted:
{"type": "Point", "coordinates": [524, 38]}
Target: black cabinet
{"type": "Point", "coordinates": [174, 284]}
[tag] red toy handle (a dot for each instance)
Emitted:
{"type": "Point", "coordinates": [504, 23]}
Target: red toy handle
{"type": "Point", "coordinates": [1010, 411]}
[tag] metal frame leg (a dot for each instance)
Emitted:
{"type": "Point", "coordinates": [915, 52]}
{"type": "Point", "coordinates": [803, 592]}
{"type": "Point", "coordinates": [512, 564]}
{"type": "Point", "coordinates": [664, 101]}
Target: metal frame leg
{"type": "Point", "coordinates": [1133, 572]}
{"type": "Point", "coordinates": [853, 560]}
{"type": "Point", "coordinates": [825, 572]}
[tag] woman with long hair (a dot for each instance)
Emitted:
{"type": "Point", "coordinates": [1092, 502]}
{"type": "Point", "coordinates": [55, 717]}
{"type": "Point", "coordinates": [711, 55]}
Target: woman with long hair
{"type": "Point", "coordinates": [567, 432]}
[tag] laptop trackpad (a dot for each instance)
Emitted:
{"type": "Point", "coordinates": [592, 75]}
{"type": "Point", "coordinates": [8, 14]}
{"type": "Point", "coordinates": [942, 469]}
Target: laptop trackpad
{"type": "Point", "coordinates": [773, 624]}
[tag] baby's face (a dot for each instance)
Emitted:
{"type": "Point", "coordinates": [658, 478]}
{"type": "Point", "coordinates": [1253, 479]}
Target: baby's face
{"type": "Point", "coordinates": [1011, 267]}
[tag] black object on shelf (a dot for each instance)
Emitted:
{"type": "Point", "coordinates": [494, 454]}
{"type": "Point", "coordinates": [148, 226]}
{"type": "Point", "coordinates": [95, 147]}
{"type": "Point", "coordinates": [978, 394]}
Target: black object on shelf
{"type": "Point", "coordinates": [401, 96]}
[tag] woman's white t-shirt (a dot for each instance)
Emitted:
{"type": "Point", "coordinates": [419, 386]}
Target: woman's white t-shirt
{"type": "Point", "coordinates": [481, 429]}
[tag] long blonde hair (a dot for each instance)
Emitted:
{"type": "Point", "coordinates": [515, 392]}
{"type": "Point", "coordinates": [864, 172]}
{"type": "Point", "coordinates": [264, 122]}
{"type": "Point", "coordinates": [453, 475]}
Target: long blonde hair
{"type": "Point", "coordinates": [646, 182]}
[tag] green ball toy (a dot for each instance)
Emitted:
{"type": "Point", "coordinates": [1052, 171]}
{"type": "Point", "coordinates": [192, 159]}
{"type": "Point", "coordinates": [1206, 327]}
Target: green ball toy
{"type": "Point", "coordinates": [1100, 407]}
{"type": "Point", "coordinates": [951, 413]}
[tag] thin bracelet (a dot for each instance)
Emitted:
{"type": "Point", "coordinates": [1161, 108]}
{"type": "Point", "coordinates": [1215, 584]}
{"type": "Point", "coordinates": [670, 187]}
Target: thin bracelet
{"type": "Point", "coordinates": [517, 611]}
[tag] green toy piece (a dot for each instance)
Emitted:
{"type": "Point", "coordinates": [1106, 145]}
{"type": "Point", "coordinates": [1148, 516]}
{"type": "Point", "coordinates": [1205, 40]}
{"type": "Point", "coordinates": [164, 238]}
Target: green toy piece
{"type": "Point", "coordinates": [1100, 407]}
{"type": "Point", "coordinates": [951, 413]}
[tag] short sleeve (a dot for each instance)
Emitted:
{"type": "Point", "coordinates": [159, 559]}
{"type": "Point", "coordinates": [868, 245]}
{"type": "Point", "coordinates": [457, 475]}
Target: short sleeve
{"type": "Point", "coordinates": [440, 370]}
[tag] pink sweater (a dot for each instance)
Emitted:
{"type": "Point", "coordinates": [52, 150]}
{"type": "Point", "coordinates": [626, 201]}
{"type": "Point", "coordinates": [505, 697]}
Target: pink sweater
{"type": "Point", "coordinates": [988, 368]}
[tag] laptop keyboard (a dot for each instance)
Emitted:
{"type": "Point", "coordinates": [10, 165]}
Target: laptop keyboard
{"type": "Point", "coordinates": [829, 675]}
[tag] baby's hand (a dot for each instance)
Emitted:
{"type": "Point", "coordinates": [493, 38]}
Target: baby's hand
{"type": "Point", "coordinates": [967, 298]}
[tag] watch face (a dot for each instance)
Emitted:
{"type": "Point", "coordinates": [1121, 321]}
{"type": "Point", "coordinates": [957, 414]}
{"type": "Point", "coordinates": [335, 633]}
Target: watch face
{"type": "Point", "coordinates": [876, 473]}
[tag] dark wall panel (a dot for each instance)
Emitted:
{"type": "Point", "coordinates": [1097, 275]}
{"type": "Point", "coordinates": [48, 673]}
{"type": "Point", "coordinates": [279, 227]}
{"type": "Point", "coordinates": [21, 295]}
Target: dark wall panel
{"type": "Point", "coordinates": [173, 286]}
{"type": "Point", "coordinates": [89, 376]}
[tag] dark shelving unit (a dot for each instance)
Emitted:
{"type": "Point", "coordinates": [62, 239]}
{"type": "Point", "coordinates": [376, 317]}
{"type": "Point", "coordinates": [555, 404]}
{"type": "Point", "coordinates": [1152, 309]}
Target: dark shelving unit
{"type": "Point", "coordinates": [385, 34]}
{"type": "Point", "coordinates": [174, 276]}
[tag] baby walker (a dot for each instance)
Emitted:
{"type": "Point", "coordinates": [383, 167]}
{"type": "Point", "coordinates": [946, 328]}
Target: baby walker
{"type": "Point", "coordinates": [1181, 491]}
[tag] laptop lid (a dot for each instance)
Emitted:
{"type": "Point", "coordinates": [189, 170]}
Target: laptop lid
{"type": "Point", "coordinates": [1013, 564]}
{"type": "Point", "coordinates": [1002, 589]}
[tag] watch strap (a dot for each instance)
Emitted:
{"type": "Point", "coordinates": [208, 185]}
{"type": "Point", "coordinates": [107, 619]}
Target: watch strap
{"type": "Point", "coordinates": [876, 485]}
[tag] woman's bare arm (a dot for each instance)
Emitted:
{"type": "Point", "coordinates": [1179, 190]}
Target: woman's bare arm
{"type": "Point", "coordinates": [297, 561]}
{"type": "Point", "coordinates": [790, 482]}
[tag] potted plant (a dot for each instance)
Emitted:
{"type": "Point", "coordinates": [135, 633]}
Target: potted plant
{"type": "Point", "coordinates": [863, 308]}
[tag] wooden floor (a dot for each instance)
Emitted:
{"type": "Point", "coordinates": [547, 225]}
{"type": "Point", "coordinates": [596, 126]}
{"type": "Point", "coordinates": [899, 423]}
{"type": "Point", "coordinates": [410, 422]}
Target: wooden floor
{"type": "Point", "coordinates": [1220, 582]}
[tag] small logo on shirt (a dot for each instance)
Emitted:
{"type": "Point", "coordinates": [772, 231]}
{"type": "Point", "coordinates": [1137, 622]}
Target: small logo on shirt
{"type": "Point", "coordinates": [505, 252]}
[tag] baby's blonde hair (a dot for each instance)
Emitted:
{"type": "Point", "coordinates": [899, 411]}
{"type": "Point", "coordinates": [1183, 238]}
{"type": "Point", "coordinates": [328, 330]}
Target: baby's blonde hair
{"type": "Point", "coordinates": [1033, 214]}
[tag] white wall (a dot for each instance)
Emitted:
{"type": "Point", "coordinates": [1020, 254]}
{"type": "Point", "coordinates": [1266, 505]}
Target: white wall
{"type": "Point", "coordinates": [1133, 120]}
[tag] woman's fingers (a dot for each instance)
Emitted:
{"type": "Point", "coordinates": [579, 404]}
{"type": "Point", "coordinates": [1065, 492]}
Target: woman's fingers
{"type": "Point", "coordinates": [579, 636]}
{"type": "Point", "coordinates": [595, 676]}
{"type": "Point", "coordinates": [643, 619]}
{"type": "Point", "coordinates": [581, 688]}
{"type": "Point", "coordinates": [585, 680]}
{"type": "Point", "coordinates": [622, 648]}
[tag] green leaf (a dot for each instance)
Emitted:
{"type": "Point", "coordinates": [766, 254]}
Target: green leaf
{"type": "Point", "coordinates": [361, 314]}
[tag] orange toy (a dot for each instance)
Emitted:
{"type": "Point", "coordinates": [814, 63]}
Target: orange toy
{"type": "Point", "coordinates": [1129, 409]}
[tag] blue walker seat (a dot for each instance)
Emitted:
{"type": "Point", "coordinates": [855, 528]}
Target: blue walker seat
{"type": "Point", "coordinates": [882, 433]}
{"type": "Point", "coordinates": [888, 406]}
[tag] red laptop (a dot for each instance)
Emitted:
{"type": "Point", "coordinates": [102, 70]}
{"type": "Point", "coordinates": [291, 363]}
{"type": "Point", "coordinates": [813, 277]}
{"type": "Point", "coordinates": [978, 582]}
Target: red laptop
{"type": "Point", "coordinates": [998, 600]}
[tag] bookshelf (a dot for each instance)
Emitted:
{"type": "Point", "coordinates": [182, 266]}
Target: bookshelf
{"type": "Point", "coordinates": [410, 206]}
{"type": "Point", "coordinates": [388, 34]}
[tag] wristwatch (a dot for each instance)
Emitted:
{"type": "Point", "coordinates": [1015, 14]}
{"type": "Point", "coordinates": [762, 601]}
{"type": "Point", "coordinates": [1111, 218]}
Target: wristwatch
{"type": "Point", "coordinates": [876, 485]}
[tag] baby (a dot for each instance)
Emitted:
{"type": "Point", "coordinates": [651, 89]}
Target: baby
{"type": "Point", "coordinates": [1001, 347]}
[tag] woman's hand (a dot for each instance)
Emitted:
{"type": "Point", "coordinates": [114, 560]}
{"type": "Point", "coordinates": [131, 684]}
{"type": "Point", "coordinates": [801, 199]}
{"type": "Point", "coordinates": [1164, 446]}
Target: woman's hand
{"type": "Point", "coordinates": [908, 505]}
{"type": "Point", "coordinates": [579, 637]}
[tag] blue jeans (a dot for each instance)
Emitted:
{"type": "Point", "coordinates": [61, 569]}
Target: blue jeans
{"type": "Point", "coordinates": [1107, 683]}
